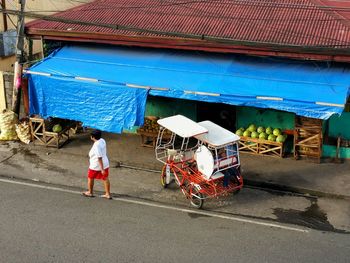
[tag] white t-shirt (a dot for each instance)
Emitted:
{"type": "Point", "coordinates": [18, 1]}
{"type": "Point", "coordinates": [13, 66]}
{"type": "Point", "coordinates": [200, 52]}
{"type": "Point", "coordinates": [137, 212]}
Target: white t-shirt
{"type": "Point", "coordinates": [98, 150]}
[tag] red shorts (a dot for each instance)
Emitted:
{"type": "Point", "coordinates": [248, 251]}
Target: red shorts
{"type": "Point", "coordinates": [93, 174]}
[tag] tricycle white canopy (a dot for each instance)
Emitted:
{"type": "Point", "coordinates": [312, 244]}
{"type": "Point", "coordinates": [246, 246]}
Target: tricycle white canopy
{"type": "Point", "coordinates": [216, 135]}
{"type": "Point", "coordinates": [182, 126]}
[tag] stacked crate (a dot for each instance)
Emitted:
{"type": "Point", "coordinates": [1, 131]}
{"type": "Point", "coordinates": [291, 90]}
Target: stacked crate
{"type": "Point", "coordinates": [149, 132]}
{"type": "Point", "coordinates": [308, 138]}
{"type": "Point", "coordinates": [262, 147]}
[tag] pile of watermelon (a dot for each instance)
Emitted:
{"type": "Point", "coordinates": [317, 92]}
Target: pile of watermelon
{"type": "Point", "coordinates": [268, 133]}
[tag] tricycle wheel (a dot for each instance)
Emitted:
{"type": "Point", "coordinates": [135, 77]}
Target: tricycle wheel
{"type": "Point", "coordinates": [196, 198]}
{"type": "Point", "coordinates": [163, 181]}
{"type": "Point", "coordinates": [163, 178]}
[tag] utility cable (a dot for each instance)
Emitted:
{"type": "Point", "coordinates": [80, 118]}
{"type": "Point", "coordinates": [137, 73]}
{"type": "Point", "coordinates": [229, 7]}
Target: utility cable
{"type": "Point", "coordinates": [184, 3]}
{"type": "Point", "coordinates": [173, 34]}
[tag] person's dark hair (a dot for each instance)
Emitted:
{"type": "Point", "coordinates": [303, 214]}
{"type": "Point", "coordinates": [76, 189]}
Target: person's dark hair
{"type": "Point", "coordinates": [96, 134]}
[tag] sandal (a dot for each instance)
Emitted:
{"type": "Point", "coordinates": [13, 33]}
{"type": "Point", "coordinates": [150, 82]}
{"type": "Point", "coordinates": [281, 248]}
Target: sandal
{"type": "Point", "coordinates": [106, 196]}
{"type": "Point", "coordinates": [87, 194]}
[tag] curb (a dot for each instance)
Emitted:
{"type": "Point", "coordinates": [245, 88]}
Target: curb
{"type": "Point", "coordinates": [294, 190]}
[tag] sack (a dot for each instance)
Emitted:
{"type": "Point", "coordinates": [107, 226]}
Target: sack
{"type": "Point", "coordinates": [23, 132]}
{"type": "Point", "coordinates": [8, 119]}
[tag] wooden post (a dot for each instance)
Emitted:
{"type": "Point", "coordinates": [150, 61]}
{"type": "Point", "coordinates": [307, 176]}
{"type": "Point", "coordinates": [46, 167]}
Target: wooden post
{"type": "Point", "coordinates": [25, 96]}
{"type": "Point", "coordinates": [30, 50]}
{"type": "Point", "coordinates": [16, 95]}
{"type": "Point", "coordinates": [3, 104]}
{"type": "Point", "coordinates": [4, 15]}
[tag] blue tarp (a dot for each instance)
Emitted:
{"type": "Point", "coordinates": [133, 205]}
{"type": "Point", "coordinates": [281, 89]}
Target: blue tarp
{"type": "Point", "coordinates": [104, 106]}
{"type": "Point", "coordinates": [108, 106]}
{"type": "Point", "coordinates": [311, 89]}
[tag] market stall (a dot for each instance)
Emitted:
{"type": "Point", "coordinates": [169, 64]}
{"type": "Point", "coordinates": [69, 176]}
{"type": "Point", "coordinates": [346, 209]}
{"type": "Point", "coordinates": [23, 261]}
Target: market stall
{"type": "Point", "coordinates": [51, 132]}
{"type": "Point", "coordinates": [261, 140]}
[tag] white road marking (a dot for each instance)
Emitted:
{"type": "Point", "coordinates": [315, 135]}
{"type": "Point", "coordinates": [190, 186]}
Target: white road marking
{"type": "Point", "coordinates": [144, 203]}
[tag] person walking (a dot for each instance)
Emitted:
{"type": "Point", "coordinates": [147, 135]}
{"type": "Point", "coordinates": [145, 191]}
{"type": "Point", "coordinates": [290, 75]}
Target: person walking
{"type": "Point", "coordinates": [99, 165]}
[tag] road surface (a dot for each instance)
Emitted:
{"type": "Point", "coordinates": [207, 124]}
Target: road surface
{"type": "Point", "coordinates": [43, 223]}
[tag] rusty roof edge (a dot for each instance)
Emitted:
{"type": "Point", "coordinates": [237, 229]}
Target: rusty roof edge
{"type": "Point", "coordinates": [200, 40]}
{"type": "Point", "coordinates": [216, 49]}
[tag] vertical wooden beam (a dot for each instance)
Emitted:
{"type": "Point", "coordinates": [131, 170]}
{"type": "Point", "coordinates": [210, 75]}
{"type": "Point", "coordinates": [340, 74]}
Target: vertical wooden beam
{"type": "Point", "coordinates": [30, 50]}
{"type": "Point", "coordinates": [4, 15]}
{"type": "Point", "coordinates": [3, 105]}
{"type": "Point", "coordinates": [25, 96]}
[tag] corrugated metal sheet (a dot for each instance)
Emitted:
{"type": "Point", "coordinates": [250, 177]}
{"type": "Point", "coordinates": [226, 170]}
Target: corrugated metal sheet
{"type": "Point", "coordinates": [301, 23]}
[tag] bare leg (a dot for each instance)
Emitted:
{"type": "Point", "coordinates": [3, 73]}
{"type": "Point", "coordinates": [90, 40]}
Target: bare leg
{"type": "Point", "coordinates": [91, 186]}
{"type": "Point", "coordinates": [107, 186]}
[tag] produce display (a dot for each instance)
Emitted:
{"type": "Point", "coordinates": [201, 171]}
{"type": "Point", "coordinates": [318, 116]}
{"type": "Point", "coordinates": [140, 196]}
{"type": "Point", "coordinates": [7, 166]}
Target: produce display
{"type": "Point", "coordinates": [150, 125]}
{"type": "Point", "coordinates": [268, 133]}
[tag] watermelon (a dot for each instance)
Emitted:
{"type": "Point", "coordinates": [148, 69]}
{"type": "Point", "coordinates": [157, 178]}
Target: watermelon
{"type": "Point", "coordinates": [57, 128]}
{"type": "Point", "coordinates": [261, 129]}
{"type": "Point", "coordinates": [277, 132]}
{"type": "Point", "coordinates": [268, 130]}
{"type": "Point", "coordinates": [280, 138]}
{"type": "Point", "coordinates": [246, 133]}
{"type": "Point", "coordinates": [239, 132]}
{"type": "Point", "coordinates": [263, 136]}
{"type": "Point", "coordinates": [254, 134]}
{"type": "Point", "coordinates": [252, 127]}
{"type": "Point", "coordinates": [271, 138]}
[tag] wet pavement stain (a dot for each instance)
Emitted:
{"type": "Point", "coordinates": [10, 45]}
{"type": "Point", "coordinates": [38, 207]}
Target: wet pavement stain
{"type": "Point", "coordinates": [39, 162]}
{"type": "Point", "coordinates": [313, 217]}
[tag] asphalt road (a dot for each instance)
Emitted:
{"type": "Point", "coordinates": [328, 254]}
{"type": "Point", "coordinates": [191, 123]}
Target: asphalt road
{"type": "Point", "coordinates": [57, 225]}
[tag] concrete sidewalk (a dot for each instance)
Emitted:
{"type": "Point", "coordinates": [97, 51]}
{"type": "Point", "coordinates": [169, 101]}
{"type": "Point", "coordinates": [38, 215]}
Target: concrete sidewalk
{"type": "Point", "coordinates": [68, 166]}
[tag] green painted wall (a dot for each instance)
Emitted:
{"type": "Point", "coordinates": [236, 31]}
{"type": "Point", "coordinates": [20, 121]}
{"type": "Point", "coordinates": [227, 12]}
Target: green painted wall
{"type": "Point", "coordinates": [340, 126]}
{"type": "Point", "coordinates": [164, 107]}
{"type": "Point", "coordinates": [330, 151]}
{"type": "Point", "coordinates": [264, 117]}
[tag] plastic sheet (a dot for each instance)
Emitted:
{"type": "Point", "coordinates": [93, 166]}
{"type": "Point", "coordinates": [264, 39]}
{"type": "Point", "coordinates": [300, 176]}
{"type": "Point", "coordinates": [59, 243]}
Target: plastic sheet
{"type": "Point", "coordinates": [108, 107]}
{"type": "Point", "coordinates": [311, 89]}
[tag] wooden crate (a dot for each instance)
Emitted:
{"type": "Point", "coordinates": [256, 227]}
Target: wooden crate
{"type": "Point", "coordinates": [149, 139]}
{"type": "Point", "coordinates": [259, 146]}
{"type": "Point", "coordinates": [41, 132]}
{"type": "Point", "coordinates": [37, 129]}
{"type": "Point", "coordinates": [308, 138]}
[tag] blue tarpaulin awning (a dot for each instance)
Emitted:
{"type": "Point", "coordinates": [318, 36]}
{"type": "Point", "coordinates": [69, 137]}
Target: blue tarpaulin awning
{"type": "Point", "coordinates": [106, 87]}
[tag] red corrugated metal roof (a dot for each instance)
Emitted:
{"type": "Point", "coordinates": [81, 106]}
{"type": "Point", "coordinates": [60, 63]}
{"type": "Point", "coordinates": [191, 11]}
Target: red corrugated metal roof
{"type": "Point", "coordinates": [284, 23]}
